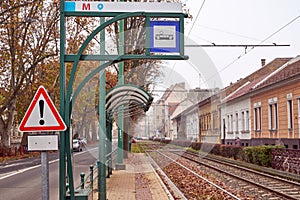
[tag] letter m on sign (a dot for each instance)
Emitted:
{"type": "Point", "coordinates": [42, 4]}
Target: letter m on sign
{"type": "Point", "coordinates": [86, 6]}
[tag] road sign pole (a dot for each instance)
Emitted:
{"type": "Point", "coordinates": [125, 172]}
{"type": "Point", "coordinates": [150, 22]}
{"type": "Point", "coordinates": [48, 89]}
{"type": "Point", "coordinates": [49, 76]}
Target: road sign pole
{"type": "Point", "coordinates": [43, 143]}
{"type": "Point", "coordinates": [45, 175]}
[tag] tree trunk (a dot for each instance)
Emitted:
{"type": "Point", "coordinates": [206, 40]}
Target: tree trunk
{"type": "Point", "coordinates": [6, 125]}
{"type": "Point", "coordinates": [87, 131]}
{"type": "Point", "coordinates": [5, 137]}
{"type": "Point", "coordinates": [94, 132]}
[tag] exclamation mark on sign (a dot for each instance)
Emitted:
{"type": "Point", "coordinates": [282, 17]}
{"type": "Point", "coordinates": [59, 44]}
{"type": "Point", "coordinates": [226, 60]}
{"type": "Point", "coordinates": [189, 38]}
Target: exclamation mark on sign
{"type": "Point", "coordinates": [41, 105]}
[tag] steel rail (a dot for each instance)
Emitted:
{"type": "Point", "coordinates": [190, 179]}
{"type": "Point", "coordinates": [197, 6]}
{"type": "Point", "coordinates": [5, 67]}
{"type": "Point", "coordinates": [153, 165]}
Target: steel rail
{"type": "Point", "coordinates": [199, 176]}
{"type": "Point", "coordinates": [240, 178]}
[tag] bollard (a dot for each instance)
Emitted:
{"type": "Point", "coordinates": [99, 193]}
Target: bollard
{"type": "Point", "coordinates": [16, 150]}
{"type": "Point", "coordinates": [67, 183]}
{"type": "Point", "coordinates": [92, 179]}
{"type": "Point", "coordinates": [82, 180]}
{"type": "Point", "coordinates": [91, 176]}
{"type": "Point", "coordinates": [108, 164]}
{"type": "Point", "coordinates": [67, 186]}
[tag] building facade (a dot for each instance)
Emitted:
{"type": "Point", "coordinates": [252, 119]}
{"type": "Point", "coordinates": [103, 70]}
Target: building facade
{"type": "Point", "coordinates": [236, 109]}
{"type": "Point", "coordinates": [275, 104]}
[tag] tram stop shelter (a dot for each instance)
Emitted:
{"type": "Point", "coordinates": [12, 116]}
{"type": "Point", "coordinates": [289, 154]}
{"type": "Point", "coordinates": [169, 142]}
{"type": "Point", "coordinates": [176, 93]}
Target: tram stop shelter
{"type": "Point", "coordinates": [124, 98]}
{"type": "Point", "coordinates": [164, 40]}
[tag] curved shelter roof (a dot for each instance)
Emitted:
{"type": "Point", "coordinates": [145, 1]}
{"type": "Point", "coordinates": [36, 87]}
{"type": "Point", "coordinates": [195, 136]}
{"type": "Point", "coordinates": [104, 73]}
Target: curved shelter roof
{"type": "Point", "coordinates": [127, 94]}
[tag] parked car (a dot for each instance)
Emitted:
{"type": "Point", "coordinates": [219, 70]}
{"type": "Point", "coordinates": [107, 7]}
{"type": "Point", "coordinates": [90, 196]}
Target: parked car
{"type": "Point", "coordinates": [83, 140]}
{"type": "Point", "coordinates": [78, 145]}
{"type": "Point", "coordinates": [133, 140]}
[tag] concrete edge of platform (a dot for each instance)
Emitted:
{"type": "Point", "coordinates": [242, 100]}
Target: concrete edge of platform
{"type": "Point", "coordinates": [178, 194]}
{"type": "Point", "coordinates": [162, 184]}
{"type": "Point", "coordinates": [120, 166]}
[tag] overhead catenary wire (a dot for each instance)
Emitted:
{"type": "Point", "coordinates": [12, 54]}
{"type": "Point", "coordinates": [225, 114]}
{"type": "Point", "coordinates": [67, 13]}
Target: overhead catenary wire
{"type": "Point", "coordinates": [228, 32]}
{"type": "Point", "coordinates": [250, 49]}
{"type": "Point", "coordinates": [198, 13]}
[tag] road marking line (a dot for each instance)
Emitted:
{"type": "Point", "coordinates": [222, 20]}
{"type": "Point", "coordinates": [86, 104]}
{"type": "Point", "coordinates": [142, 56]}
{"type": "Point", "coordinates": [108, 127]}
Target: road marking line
{"type": "Point", "coordinates": [24, 170]}
{"type": "Point", "coordinates": [33, 167]}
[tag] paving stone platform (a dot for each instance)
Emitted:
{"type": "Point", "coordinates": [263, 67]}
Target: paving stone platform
{"type": "Point", "coordinates": [137, 182]}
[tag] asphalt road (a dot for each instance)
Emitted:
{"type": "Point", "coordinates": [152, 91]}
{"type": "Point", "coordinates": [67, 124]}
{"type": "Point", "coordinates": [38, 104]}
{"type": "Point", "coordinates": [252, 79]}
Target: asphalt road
{"type": "Point", "coordinates": [21, 179]}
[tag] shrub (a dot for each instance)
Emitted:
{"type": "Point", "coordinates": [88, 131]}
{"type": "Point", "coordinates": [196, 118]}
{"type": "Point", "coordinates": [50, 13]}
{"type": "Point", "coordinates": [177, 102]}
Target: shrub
{"type": "Point", "coordinates": [196, 145]}
{"type": "Point", "coordinates": [220, 150]}
{"type": "Point", "coordinates": [259, 155]}
{"type": "Point", "coordinates": [182, 143]}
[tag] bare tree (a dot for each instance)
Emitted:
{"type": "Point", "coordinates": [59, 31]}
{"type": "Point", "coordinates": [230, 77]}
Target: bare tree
{"type": "Point", "coordinates": [28, 51]}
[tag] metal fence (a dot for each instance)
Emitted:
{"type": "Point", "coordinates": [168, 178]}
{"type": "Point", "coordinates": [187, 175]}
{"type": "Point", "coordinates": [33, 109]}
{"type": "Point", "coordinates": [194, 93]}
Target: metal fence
{"type": "Point", "coordinates": [85, 190]}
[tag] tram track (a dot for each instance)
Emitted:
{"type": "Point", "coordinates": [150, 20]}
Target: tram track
{"type": "Point", "coordinates": [275, 186]}
{"type": "Point", "coordinates": [190, 183]}
{"type": "Point", "coordinates": [236, 182]}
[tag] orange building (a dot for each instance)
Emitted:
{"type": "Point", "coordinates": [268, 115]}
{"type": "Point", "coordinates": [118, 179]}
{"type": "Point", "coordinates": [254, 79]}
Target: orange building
{"type": "Point", "coordinates": [209, 131]}
{"type": "Point", "coordinates": [275, 107]}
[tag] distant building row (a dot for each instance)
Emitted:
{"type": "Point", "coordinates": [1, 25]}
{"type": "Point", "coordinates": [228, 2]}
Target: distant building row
{"type": "Point", "coordinates": [260, 109]}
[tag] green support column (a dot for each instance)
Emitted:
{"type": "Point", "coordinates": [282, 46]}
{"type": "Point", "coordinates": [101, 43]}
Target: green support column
{"type": "Point", "coordinates": [129, 140]}
{"type": "Point", "coordinates": [102, 122]}
{"type": "Point", "coordinates": [62, 80]}
{"type": "Point", "coordinates": [109, 144]}
{"type": "Point", "coordinates": [102, 140]}
{"type": "Point", "coordinates": [147, 36]}
{"type": "Point", "coordinates": [120, 110]}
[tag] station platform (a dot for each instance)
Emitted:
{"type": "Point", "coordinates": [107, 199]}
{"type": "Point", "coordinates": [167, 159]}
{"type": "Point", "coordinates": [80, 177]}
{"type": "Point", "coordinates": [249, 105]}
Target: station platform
{"type": "Point", "coordinates": [138, 181]}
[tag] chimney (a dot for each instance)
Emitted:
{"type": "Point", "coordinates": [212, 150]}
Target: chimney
{"type": "Point", "coordinates": [263, 62]}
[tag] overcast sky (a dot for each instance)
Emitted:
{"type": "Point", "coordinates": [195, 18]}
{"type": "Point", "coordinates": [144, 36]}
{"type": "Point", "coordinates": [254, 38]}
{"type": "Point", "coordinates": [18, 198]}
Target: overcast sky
{"type": "Point", "coordinates": [238, 22]}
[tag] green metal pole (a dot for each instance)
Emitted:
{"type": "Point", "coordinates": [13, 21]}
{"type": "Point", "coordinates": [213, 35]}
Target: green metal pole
{"type": "Point", "coordinates": [102, 122]}
{"type": "Point", "coordinates": [147, 36]}
{"type": "Point", "coordinates": [181, 30]}
{"type": "Point", "coordinates": [129, 141]}
{"type": "Point", "coordinates": [109, 145]}
{"type": "Point", "coordinates": [62, 80]}
{"type": "Point", "coordinates": [69, 159]}
{"type": "Point", "coordinates": [121, 82]}
{"type": "Point", "coordinates": [102, 140]}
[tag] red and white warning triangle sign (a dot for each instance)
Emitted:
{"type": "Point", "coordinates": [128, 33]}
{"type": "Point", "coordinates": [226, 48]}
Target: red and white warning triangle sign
{"type": "Point", "coordinates": [42, 115]}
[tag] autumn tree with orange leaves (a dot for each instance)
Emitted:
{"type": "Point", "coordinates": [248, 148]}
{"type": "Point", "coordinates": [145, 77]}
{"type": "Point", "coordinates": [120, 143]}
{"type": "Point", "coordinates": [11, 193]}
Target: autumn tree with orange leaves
{"type": "Point", "coordinates": [29, 56]}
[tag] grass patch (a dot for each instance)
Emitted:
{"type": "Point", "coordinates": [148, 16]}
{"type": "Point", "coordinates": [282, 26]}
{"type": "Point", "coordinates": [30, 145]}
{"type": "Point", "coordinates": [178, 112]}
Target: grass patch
{"type": "Point", "coordinates": [135, 148]}
{"type": "Point", "coordinates": [18, 157]}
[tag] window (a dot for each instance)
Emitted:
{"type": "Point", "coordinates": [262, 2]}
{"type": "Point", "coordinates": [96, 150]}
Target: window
{"type": "Point", "coordinates": [298, 107]}
{"type": "Point", "coordinates": [231, 123]}
{"type": "Point", "coordinates": [205, 122]}
{"type": "Point", "coordinates": [236, 122]}
{"type": "Point", "coordinates": [228, 123]}
{"type": "Point", "coordinates": [290, 113]}
{"type": "Point", "coordinates": [247, 121]}
{"type": "Point", "coordinates": [257, 118]}
{"type": "Point", "coordinates": [273, 117]}
{"type": "Point", "coordinates": [243, 121]}
{"type": "Point", "coordinates": [209, 121]}
{"type": "Point", "coordinates": [215, 119]}
{"type": "Point", "coordinates": [270, 117]}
